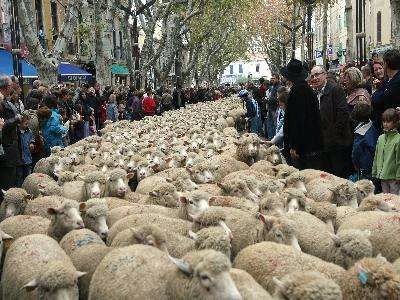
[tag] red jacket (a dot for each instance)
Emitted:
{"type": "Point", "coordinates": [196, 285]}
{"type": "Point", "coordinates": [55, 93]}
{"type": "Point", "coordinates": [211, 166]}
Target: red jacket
{"type": "Point", "coordinates": [149, 106]}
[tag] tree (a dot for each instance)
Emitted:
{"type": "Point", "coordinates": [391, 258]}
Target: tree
{"type": "Point", "coordinates": [46, 62]}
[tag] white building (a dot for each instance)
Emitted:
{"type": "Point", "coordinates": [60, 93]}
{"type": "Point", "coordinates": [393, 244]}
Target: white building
{"type": "Point", "coordinates": [244, 70]}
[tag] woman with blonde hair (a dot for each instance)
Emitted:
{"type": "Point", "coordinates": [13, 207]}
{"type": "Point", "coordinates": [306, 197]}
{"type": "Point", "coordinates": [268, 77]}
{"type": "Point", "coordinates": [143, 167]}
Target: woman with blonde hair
{"type": "Point", "coordinates": [353, 82]}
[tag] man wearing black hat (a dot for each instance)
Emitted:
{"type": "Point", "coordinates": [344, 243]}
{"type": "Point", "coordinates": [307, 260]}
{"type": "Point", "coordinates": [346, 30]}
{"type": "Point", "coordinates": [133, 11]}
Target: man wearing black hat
{"type": "Point", "coordinates": [302, 127]}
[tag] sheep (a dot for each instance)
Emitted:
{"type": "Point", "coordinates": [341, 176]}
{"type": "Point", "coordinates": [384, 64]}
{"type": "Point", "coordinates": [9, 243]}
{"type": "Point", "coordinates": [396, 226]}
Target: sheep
{"type": "Point", "coordinates": [311, 174]}
{"type": "Point", "coordinates": [36, 267]}
{"type": "Point", "coordinates": [238, 188]}
{"type": "Point", "coordinates": [296, 180]}
{"type": "Point", "coordinates": [306, 285]}
{"type": "Point", "coordinates": [265, 167]}
{"type": "Point", "coordinates": [294, 199]}
{"type": "Point", "coordinates": [248, 288]}
{"type": "Point", "coordinates": [164, 195]}
{"type": "Point", "coordinates": [205, 271]}
{"type": "Point", "coordinates": [38, 184]}
{"type": "Point", "coordinates": [145, 267]}
{"type": "Point", "coordinates": [247, 148]}
{"type": "Point", "coordinates": [14, 203]}
{"type": "Point", "coordinates": [63, 164]}
{"type": "Point", "coordinates": [271, 154]}
{"type": "Point", "coordinates": [384, 228]}
{"type": "Point", "coordinates": [365, 188]}
{"type": "Point", "coordinates": [225, 166]}
{"type": "Point", "coordinates": [314, 238]}
{"type": "Point", "coordinates": [40, 205]}
{"type": "Point", "coordinates": [146, 185]}
{"type": "Point", "coordinates": [66, 176]}
{"type": "Point", "coordinates": [267, 260]}
{"type": "Point", "coordinates": [78, 238]}
{"type": "Point", "coordinates": [212, 189]}
{"type": "Point", "coordinates": [247, 229]}
{"type": "Point", "coordinates": [94, 216]}
{"type": "Point", "coordinates": [21, 225]}
{"type": "Point", "coordinates": [4, 243]}
{"type": "Point", "coordinates": [324, 211]}
{"type": "Point", "coordinates": [272, 204]}
{"type": "Point", "coordinates": [202, 173]}
{"type": "Point", "coordinates": [46, 165]}
{"type": "Point", "coordinates": [391, 200]}
{"type": "Point", "coordinates": [117, 183]}
{"type": "Point", "coordinates": [396, 265]}
{"type": "Point", "coordinates": [65, 218]}
{"type": "Point", "coordinates": [236, 202]}
{"type": "Point", "coordinates": [113, 202]}
{"type": "Point", "coordinates": [284, 170]}
{"type": "Point", "coordinates": [371, 278]}
{"type": "Point", "coordinates": [92, 185]}
{"type": "Point", "coordinates": [175, 225]}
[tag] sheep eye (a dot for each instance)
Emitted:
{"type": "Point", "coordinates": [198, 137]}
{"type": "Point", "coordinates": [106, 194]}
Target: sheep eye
{"type": "Point", "coordinates": [191, 202]}
{"type": "Point", "coordinates": [204, 277]}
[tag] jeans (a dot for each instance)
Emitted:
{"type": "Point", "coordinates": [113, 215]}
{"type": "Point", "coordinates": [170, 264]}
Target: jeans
{"type": "Point", "coordinates": [22, 173]}
{"type": "Point", "coordinates": [86, 129]}
{"type": "Point", "coordinates": [256, 125]}
{"type": "Point", "coordinates": [270, 124]}
{"type": "Point", "coordinates": [391, 187]}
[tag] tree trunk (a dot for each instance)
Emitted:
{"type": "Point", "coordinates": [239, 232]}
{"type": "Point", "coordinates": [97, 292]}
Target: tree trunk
{"type": "Point", "coordinates": [104, 37]}
{"type": "Point", "coordinates": [325, 33]}
{"type": "Point", "coordinates": [46, 63]}
{"type": "Point", "coordinates": [395, 9]}
{"type": "Point", "coordinates": [349, 26]}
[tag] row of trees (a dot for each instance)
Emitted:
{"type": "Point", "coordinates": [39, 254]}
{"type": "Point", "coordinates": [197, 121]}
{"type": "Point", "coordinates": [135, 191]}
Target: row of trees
{"type": "Point", "coordinates": [208, 33]}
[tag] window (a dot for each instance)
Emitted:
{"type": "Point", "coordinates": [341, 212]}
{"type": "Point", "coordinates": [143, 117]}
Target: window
{"type": "Point", "coordinates": [231, 69]}
{"type": "Point", "coordinates": [39, 15]}
{"type": "Point", "coordinates": [240, 69]}
{"type": "Point", "coordinates": [379, 27]}
{"type": "Point", "coordinates": [257, 68]}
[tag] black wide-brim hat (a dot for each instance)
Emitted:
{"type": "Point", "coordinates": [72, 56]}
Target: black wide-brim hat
{"type": "Point", "coordinates": [294, 71]}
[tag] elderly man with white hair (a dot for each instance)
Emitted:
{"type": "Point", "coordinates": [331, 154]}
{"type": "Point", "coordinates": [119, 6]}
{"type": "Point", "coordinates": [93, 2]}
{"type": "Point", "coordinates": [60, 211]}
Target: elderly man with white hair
{"type": "Point", "coordinates": [335, 124]}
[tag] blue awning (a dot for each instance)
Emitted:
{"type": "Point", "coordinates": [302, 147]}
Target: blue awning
{"type": "Point", "coordinates": [68, 72]}
{"type": "Point", "coordinates": [6, 66]}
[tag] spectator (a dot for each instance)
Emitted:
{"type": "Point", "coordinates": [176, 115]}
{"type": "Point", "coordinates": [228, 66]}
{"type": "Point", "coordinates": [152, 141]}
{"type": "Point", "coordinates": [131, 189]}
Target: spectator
{"type": "Point", "coordinates": [11, 149]}
{"type": "Point", "coordinates": [389, 95]}
{"type": "Point", "coordinates": [92, 102]}
{"type": "Point", "coordinates": [27, 143]}
{"type": "Point", "coordinates": [365, 138]}
{"type": "Point", "coordinates": [252, 112]}
{"type": "Point", "coordinates": [53, 129]}
{"type": "Point", "coordinates": [149, 104]}
{"type": "Point", "coordinates": [386, 166]}
{"type": "Point", "coordinates": [335, 124]}
{"type": "Point", "coordinates": [112, 109]}
{"type": "Point", "coordinates": [282, 96]}
{"type": "Point", "coordinates": [102, 111]}
{"type": "Point", "coordinates": [302, 128]}
{"type": "Point", "coordinates": [272, 105]}
{"type": "Point", "coordinates": [379, 78]}
{"type": "Point", "coordinates": [167, 101]}
{"type": "Point", "coordinates": [354, 82]}
{"type": "Point", "coordinates": [35, 85]}
{"type": "Point", "coordinates": [137, 110]}
{"type": "Point", "coordinates": [368, 79]}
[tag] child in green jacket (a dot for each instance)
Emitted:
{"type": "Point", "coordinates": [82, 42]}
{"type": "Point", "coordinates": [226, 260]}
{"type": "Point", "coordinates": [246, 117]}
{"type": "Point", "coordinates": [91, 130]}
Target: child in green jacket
{"type": "Point", "coordinates": [386, 165]}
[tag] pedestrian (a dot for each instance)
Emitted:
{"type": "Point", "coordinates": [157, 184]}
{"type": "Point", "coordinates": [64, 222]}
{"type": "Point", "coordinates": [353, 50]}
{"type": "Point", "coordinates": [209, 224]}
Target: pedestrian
{"type": "Point", "coordinates": [365, 138]}
{"type": "Point", "coordinates": [302, 127]}
{"type": "Point", "coordinates": [353, 83]}
{"type": "Point", "coordinates": [27, 142]}
{"type": "Point", "coordinates": [386, 166]}
{"type": "Point", "coordinates": [271, 106]}
{"type": "Point", "coordinates": [368, 79]}
{"type": "Point", "coordinates": [167, 100]}
{"type": "Point", "coordinates": [112, 109]}
{"type": "Point", "coordinates": [282, 96]}
{"type": "Point", "coordinates": [53, 129]}
{"type": "Point", "coordinates": [252, 112]}
{"type": "Point", "coordinates": [149, 105]}
{"type": "Point", "coordinates": [335, 124]}
{"type": "Point", "coordinates": [10, 140]}
{"type": "Point", "coordinates": [388, 95]}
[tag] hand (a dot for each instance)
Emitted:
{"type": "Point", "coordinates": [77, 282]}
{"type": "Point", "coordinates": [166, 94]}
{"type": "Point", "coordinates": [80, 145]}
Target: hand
{"type": "Point", "coordinates": [1, 123]}
{"type": "Point", "coordinates": [268, 143]}
{"type": "Point", "coordinates": [293, 154]}
{"type": "Point", "coordinates": [31, 147]}
{"type": "Point", "coordinates": [66, 124]}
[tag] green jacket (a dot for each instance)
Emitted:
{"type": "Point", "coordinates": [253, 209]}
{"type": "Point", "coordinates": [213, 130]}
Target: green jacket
{"type": "Point", "coordinates": [387, 156]}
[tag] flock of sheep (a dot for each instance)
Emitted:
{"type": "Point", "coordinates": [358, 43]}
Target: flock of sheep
{"type": "Point", "coordinates": [184, 207]}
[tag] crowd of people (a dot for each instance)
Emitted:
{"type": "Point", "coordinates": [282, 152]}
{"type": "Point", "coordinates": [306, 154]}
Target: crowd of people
{"type": "Point", "coordinates": [67, 114]}
{"type": "Point", "coordinates": [345, 124]}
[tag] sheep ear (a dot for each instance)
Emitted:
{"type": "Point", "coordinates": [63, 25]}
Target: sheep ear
{"type": "Point", "coordinates": [129, 176]}
{"type": "Point", "coordinates": [183, 199]}
{"type": "Point", "coordinates": [28, 197]}
{"type": "Point", "coordinates": [54, 211]}
{"type": "Point", "coordinates": [279, 284]}
{"type": "Point", "coordinates": [153, 193]}
{"type": "Point", "coordinates": [80, 177]}
{"type": "Point", "coordinates": [6, 236]}
{"type": "Point", "coordinates": [193, 235]}
{"type": "Point", "coordinates": [268, 222]}
{"type": "Point", "coordinates": [31, 285]}
{"type": "Point", "coordinates": [335, 239]}
{"type": "Point", "coordinates": [82, 206]}
{"type": "Point", "coordinates": [182, 265]}
{"type": "Point", "coordinates": [80, 274]}
{"type": "Point", "coordinates": [3, 191]}
{"type": "Point", "coordinates": [221, 185]}
{"type": "Point", "coordinates": [216, 167]}
{"type": "Point", "coordinates": [169, 180]}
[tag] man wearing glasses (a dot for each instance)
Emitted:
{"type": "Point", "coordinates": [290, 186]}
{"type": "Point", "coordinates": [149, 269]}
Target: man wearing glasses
{"type": "Point", "coordinates": [335, 124]}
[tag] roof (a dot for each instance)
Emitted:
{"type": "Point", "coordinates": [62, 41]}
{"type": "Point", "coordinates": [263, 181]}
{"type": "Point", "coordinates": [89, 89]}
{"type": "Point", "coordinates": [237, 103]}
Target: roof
{"type": "Point", "coordinates": [119, 70]}
{"type": "Point", "coordinates": [6, 66]}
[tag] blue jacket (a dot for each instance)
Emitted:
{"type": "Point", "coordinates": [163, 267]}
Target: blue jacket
{"type": "Point", "coordinates": [112, 112]}
{"type": "Point", "coordinates": [365, 139]}
{"type": "Point", "coordinates": [26, 138]}
{"type": "Point", "coordinates": [53, 131]}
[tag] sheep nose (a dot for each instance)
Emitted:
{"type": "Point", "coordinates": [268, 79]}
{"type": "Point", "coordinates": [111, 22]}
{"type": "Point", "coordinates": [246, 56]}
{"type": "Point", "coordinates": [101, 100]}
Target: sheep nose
{"type": "Point", "coordinates": [81, 225]}
{"type": "Point", "coordinates": [104, 234]}
{"type": "Point", "coordinates": [95, 194]}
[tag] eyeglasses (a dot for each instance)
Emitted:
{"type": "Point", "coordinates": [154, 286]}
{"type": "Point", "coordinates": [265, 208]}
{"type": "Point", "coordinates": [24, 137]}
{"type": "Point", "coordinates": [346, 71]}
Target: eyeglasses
{"type": "Point", "coordinates": [316, 75]}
